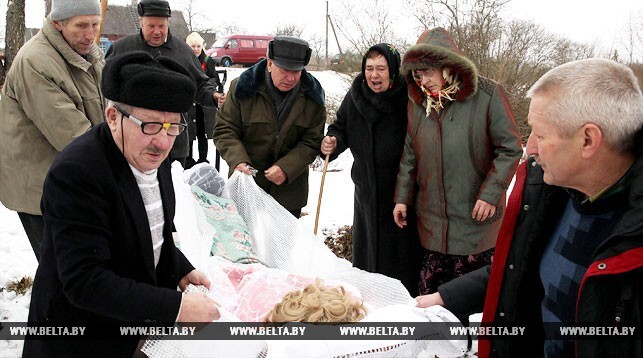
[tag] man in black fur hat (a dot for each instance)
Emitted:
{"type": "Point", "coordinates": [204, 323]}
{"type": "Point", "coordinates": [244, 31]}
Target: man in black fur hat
{"type": "Point", "coordinates": [108, 256]}
{"type": "Point", "coordinates": [273, 121]}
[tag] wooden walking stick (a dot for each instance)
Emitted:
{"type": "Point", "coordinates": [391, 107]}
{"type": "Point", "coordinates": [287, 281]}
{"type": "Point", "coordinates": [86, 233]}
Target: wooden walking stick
{"type": "Point", "coordinates": [321, 191]}
{"type": "Point", "coordinates": [103, 13]}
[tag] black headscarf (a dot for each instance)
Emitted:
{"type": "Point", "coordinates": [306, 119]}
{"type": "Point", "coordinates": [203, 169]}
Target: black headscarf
{"type": "Point", "coordinates": [392, 56]}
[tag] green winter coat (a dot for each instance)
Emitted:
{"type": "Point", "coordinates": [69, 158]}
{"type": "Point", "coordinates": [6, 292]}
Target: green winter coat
{"type": "Point", "coordinates": [51, 96]}
{"type": "Point", "coordinates": [467, 151]}
{"type": "Point", "coordinates": [246, 132]}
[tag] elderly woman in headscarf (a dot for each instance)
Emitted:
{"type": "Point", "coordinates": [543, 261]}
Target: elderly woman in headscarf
{"type": "Point", "coordinates": [461, 152]}
{"type": "Point", "coordinates": [371, 122]}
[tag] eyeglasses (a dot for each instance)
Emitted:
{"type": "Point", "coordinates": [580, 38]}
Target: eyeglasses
{"type": "Point", "coordinates": [152, 128]}
{"type": "Point", "coordinates": [428, 72]}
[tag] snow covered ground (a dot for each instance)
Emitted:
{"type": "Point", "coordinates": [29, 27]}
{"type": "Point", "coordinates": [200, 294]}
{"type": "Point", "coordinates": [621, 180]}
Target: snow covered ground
{"type": "Point", "coordinates": [17, 259]}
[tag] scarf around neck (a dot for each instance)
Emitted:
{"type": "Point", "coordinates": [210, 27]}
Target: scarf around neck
{"type": "Point", "coordinates": [283, 101]}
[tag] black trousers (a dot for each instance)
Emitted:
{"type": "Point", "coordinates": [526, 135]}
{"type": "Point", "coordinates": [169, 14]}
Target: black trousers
{"type": "Point", "coordinates": [34, 226]}
{"type": "Point", "coordinates": [296, 213]}
{"type": "Point", "coordinates": [197, 131]}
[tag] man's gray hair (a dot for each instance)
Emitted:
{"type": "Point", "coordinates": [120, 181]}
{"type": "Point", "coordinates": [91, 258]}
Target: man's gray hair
{"type": "Point", "coordinates": [598, 91]}
{"type": "Point", "coordinates": [123, 106]}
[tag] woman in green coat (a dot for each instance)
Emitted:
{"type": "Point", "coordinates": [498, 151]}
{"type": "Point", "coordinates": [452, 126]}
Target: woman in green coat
{"type": "Point", "coordinates": [462, 148]}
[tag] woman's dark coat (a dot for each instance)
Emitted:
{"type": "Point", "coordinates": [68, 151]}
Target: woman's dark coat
{"type": "Point", "coordinates": [206, 113]}
{"type": "Point", "coordinates": [467, 152]}
{"type": "Point", "coordinates": [373, 127]}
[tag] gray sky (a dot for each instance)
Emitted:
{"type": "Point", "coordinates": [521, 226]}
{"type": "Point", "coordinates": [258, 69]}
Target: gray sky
{"type": "Point", "coordinates": [586, 21]}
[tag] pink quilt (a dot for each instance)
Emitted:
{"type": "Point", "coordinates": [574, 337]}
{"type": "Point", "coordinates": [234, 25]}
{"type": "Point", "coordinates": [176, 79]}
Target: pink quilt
{"type": "Point", "coordinates": [250, 291]}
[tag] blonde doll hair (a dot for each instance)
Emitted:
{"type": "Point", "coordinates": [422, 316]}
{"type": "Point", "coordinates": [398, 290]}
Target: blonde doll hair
{"type": "Point", "coordinates": [316, 303]}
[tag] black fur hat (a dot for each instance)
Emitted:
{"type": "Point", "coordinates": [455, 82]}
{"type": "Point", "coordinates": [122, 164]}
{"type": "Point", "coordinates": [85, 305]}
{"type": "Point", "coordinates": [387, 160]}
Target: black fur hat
{"type": "Point", "coordinates": [290, 53]}
{"type": "Point", "coordinates": [392, 56]}
{"type": "Point", "coordinates": [140, 80]}
{"type": "Point", "coordinates": [157, 8]}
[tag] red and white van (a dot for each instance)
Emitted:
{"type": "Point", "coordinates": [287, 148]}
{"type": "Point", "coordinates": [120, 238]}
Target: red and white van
{"type": "Point", "coordinates": [241, 49]}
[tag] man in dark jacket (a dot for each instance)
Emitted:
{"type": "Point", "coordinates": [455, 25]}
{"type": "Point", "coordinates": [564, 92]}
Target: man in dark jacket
{"type": "Point", "coordinates": [108, 256]}
{"type": "Point", "coordinates": [156, 39]}
{"type": "Point", "coordinates": [571, 247]}
{"type": "Point", "coordinates": [273, 121]}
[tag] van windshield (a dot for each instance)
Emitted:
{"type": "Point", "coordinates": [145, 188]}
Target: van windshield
{"type": "Point", "coordinates": [220, 43]}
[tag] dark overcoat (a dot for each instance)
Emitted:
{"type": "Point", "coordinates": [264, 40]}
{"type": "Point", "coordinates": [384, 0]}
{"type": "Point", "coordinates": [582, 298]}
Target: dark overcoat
{"type": "Point", "coordinates": [97, 262]}
{"type": "Point", "coordinates": [469, 151]}
{"type": "Point", "coordinates": [246, 131]}
{"type": "Point", "coordinates": [198, 112]}
{"type": "Point", "coordinates": [373, 126]}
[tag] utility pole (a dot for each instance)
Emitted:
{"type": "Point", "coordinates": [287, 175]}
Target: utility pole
{"type": "Point", "coordinates": [327, 17]}
{"type": "Point", "coordinates": [341, 54]}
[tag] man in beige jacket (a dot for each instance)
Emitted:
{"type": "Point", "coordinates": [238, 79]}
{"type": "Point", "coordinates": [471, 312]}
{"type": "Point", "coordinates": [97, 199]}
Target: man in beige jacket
{"type": "Point", "coordinates": [51, 96]}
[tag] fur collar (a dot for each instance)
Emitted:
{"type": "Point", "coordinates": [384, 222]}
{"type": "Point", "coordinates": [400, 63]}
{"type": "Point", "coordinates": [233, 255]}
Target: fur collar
{"type": "Point", "coordinates": [374, 106]}
{"type": "Point", "coordinates": [435, 48]}
{"type": "Point", "coordinates": [252, 80]}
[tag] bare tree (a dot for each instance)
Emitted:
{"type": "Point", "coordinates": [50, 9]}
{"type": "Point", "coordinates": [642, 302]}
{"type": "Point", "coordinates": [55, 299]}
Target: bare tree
{"type": "Point", "coordinates": [3, 10]}
{"type": "Point", "coordinates": [520, 58]}
{"type": "Point", "coordinates": [230, 29]}
{"type": "Point", "coordinates": [195, 18]}
{"type": "Point", "coordinates": [475, 25]}
{"type": "Point", "coordinates": [523, 54]}
{"type": "Point", "coordinates": [425, 14]}
{"type": "Point", "coordinates": [514, 53]}
{"type": "Point", "coordinates": [47, 7]}
{"type": "Point", "coordinates": [189, 14]}
{"type": "Point", "coordinates": [288, 30]}
{"type": "Point", "coordinates": [365, 24]}
{"type": "Point", "coordinates": [633, 38]}
{"type": "Point", "coordinates": [2, 27]}
{"type": "Point", "coordinates": [317, 45]}
{"type": "Point", "coordinates": [14, 32]}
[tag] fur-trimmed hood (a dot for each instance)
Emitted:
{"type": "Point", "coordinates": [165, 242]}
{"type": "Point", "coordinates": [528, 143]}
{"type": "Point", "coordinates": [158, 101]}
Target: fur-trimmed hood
{"type": "Point", "coordinates": [252, 79]}
{"type": "Point", "coordinates": [435, 48]}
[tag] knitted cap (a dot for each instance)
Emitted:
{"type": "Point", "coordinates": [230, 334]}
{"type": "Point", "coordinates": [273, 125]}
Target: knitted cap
{"type": "Point", "coordinates": [65, 9]}
{"type": "Point", "coordinates": [392, 56]}
{"type": "Point", "coordinates": [140, 80]}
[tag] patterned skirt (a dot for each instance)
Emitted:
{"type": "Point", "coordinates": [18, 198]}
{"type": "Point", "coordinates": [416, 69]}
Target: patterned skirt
{"type": "Point", "coordinates": [438, 268]}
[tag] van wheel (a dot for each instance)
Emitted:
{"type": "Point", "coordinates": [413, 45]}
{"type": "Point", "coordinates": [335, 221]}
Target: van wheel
{"type": "Point", "coordinates": [226, 62]}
